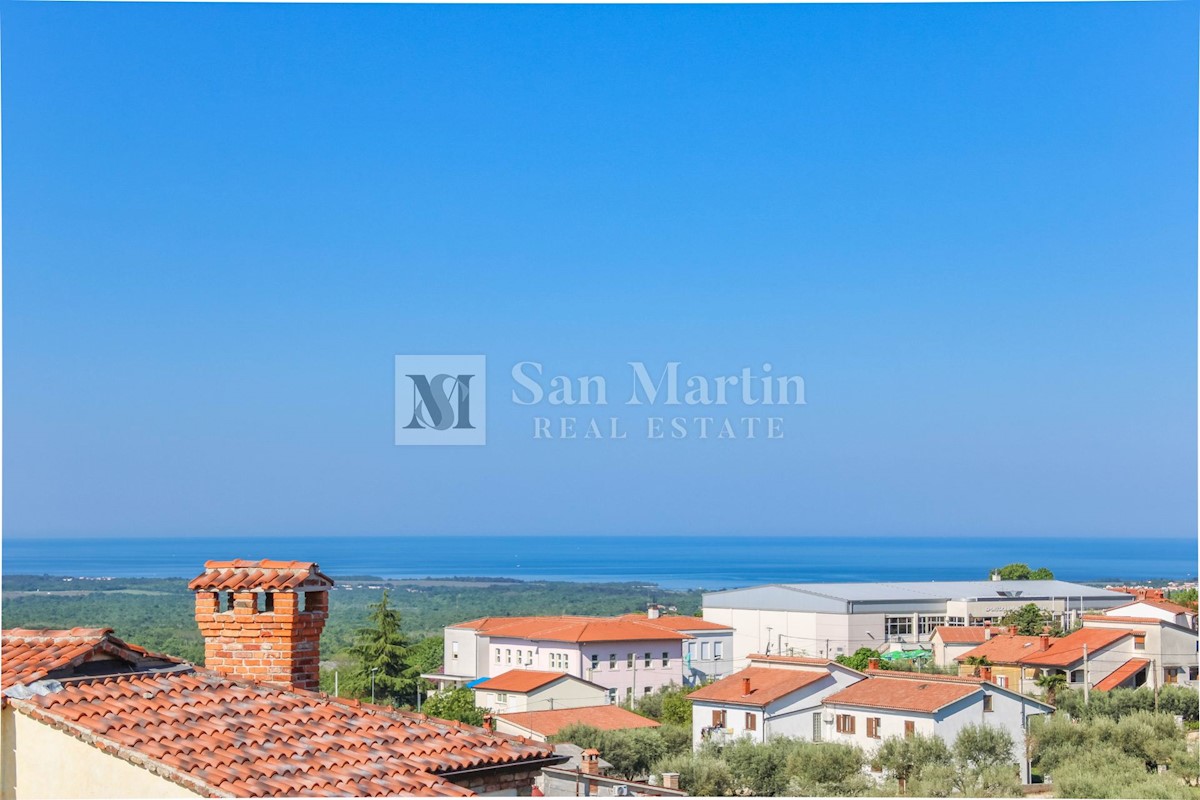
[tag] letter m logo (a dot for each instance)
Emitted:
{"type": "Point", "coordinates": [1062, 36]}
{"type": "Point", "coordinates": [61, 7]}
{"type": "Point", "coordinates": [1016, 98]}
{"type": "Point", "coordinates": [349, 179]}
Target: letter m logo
{"type": "Point", "coordinates": [441, 400]}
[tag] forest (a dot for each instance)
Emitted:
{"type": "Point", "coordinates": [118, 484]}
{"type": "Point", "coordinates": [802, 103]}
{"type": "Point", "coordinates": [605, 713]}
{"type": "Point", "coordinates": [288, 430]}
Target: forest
{"type": "Point", "coordinates": [156, 613]}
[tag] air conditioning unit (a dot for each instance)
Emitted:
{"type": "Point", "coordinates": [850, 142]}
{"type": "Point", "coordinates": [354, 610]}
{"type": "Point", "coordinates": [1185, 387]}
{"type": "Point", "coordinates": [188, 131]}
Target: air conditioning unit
{"type": "Point", "coordinates": [622, 791]}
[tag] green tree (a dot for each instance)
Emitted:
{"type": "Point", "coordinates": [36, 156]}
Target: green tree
{"type": "Point", "coordinates": [1022, 572]}
{"type": "Point", "coordinates": [1029, 620]}
{"type": "Point", "coordinates": [1051, 683]}
{"type": "Point", "coordinates": [859, 659]}
{"type": "Point", "coordinates": [907, 758]}
{"type": "Point", "coordinates": [701, 774]}
{"type": "Point", "coordinates": [760, 769]}
{"type": "Point", "coordinates": [632, 753]}
{"type": "Point", "coordinates": [381, 655]}
{"type": "Point", "coordinates": [981, 746]}
{"type": "Point", "coordinates": [826, 770]}
{"type": "Point", "coordinates": [667, 704]}
{"type": "Point", "coordinates": [458, 704]}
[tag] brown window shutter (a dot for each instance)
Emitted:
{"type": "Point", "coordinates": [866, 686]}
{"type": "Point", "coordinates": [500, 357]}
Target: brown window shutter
{"type": "Point", "coordinates": [910, 728]}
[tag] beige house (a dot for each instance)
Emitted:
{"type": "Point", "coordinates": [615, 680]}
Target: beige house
{"type": "Point", "coordinates": [84, 714]}
{"type": "Point", "coordinates": [536, 690]}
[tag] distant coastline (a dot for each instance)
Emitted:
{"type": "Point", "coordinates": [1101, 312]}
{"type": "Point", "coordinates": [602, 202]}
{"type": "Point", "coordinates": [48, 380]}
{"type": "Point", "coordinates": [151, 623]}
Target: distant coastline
{"type": "Point", "coordinates": [669, 562]}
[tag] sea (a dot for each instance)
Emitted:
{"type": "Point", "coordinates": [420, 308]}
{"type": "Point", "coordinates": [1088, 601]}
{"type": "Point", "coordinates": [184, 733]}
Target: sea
{"type": "Point", "coordinates": [681, 562]}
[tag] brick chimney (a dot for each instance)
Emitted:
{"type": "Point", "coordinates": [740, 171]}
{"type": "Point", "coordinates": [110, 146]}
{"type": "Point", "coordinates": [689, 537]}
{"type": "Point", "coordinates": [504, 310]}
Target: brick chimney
{"type": "Point", "coordinates": [745, 687]}
{"type": "Point", "coordinates": [987, 631]}
{"type": "Point", "coordinates": [653, 611]}
{"type": "Point", "coordinates": [670, 780]}
{"type": "Point", "coordinates": [872, 663]}
{"type": "Point", "coordinates": [1045, 637]}
{"type": "Point", "coordinates": [262, 620]}
{"type": "Point", "coordinates": [589, 761]}
{"type": "Point", "coordinates": [489, 723]}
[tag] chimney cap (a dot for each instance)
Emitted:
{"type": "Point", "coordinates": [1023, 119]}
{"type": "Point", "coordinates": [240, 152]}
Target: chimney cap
{"type": "Point", "coordinates": [264, 575]}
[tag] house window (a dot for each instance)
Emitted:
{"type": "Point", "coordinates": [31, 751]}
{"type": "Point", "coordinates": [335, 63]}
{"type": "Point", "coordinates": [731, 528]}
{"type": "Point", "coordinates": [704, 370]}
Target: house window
{"type": "Point", "coordinates": [612, 660]}
{"type": "Point", "coordinates": [629, 661]}
{"type": "Point", "coordinates": [529, 657]}
{"type": "Point", "coordinates": [1077, 676]}
{"type": "Point", "coordinates": [958, 622]}
{"type": "Point", "coordinates": [595, 661]}
{"type": "Point", "coordinates": [647, 660]}
{"type": "Point", "coordinates": [502, 699]}
{"type": "Point", "coordinates": [704, 651]}
{"type": "Point", "coordinates": [751, 721]}
{"type": "Point", "coordinates": [612, 697]}
{"type": "Point", "coordinates": [717, 650]}
{"type": "Point", "coordinates": [718, 719]}
{"type": "Point", "coordinates": [507, 656]}
{"type": "Point", "coordinates": [845, 723]}
{"type": "Point", "coordinates": [1002, 681]}
{"type": "Point", "coordinates": [628, 694]}
{"type": "Point", "coordinates": [910, 728]}
{"type": "Point", "coordinates": [497, 655]}
{"type": "Point", "coordinates": [454, 650]}
{"type": "Point", "coordinates": [691, 653]}
{"type": "Point", "coordinates": [897, 626]}
{"type": "Point", "coordinates": [873, 727]}
{"type": "Point", "coordinates": [666, 659]}
{"type": "Point", "coordinates": [926, 625]}
{"type": "Point", "coordinates": [646, 691]}
{"type": "Point", "coordinates": [1139, 641]}
{"type": "Point", "coordinates": [987, 702]}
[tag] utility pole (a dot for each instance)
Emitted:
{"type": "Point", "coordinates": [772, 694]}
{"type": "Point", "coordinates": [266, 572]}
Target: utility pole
{"type": "Point", "coordinates": [1154, 673]}
{"type": "Point", "coordinates": [1086, 687]}
{"type": "Point", "coordinates": [769, 629]}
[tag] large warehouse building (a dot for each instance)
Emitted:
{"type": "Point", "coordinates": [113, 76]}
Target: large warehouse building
{"type": "Point", "coordinates": [831, 619]}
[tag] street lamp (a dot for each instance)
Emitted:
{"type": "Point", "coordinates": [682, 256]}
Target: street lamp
{"type": "Point", "coordinates": [373, 671]}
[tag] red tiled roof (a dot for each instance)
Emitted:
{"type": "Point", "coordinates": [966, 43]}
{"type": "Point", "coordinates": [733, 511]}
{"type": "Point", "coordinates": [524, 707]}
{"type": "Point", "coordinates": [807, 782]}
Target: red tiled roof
{"type": "Point", "coordinates": [925, 695]}
{"type": "Point", "coordinates": [918, 676]}
{"type": "Point", "coordinates": [606, 718]}
{"type": "Point", "coordinates": [520, 680]}
{"type": "Point", "coordinates": [1125, 620]}
{"type": "Point", "coordinates": [958, 634]}
{"type": "Point", "coordinates": [239, 574]}
{"type": "Point", "coordinates": [1165, 605]}
{"type": "Point", "coordinates": [218, 736]}
{"type": "Point", "coordinates": [766, 685]}
{"type": "Point", "coordinates": [678, 622]}
{"type": "Point", "coordinates": [1004, 649]}
{"type": "Point", "coordinates": [572, 629]}
{"type": "Point", "coordinates": [31, 655]}
{"type": "Point", "coordinates": [1068, 650]}
{"type": "Point", "coordinates": [1062, 652]}
{"type": "Point", "coordinates": [1122, 673]}
{"type": "Point", "coordinates": [803, 660]}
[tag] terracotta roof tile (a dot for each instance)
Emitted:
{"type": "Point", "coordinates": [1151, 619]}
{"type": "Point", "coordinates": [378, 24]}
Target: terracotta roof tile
{"type": "Point", "coordinates": [606, 718]}
{"type": "Point", "coordinates": [242, 575]}
{"type": "Point", "coordinates": [1122, 673]}
{"type": "Point", "coordinates": [520, 680]}
{"type": "Point", "coordinates": [958, 634]}
{"type": "Point", "coordinates": [799, 660]}
{"type": "Point", "coordinates": [572, 629]}
{"type": "Point", "coordinates": [1069, 649]}
{"type": "Point", "coordinates": [766, 685]}
{"type": "Point", "coordinates": [1165, 605]}
{"type": "Point", "coordinates": [216, 735]}
{"type": "Point", "coordinates": [1125, 620]}
{"type": "Point", "coordinates": [678, 622]}
{"type": "Point", "coordinates": [31, 655]}
{"type": "Point", "coordinates": [903, 694]}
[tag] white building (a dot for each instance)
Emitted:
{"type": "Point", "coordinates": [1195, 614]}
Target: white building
{"type": "Point", "coordinates": [535, 690]}
{"type": "Point", "coordinates": [831, 619]}
{"type": "Point", "coordinates": [893, 703]}
{"type": "Point", "coordinates": [949, 642]}
{"type": "Point", "coordinates": [630, 656]}
{"type": "Point", "coordinates": [1156, 608]}
{"type": "Point", "coordinates": [774, 696]}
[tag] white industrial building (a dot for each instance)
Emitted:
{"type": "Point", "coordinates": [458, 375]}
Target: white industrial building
{"type": "Point", "coordinates": [831, 619]}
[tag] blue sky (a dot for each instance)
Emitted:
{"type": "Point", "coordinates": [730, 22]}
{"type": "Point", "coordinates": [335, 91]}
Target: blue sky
{"type": "Point", "coordinates": [970, 228]}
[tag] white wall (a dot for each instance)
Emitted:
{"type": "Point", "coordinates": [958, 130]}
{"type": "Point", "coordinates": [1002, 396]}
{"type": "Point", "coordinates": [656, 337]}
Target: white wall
{"type": "Point", "coordinates": [467, 662]}
{"type": "Point", "coordinates": [42, 762]}
{"type": "Point", "coordinates": [564, 693]}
